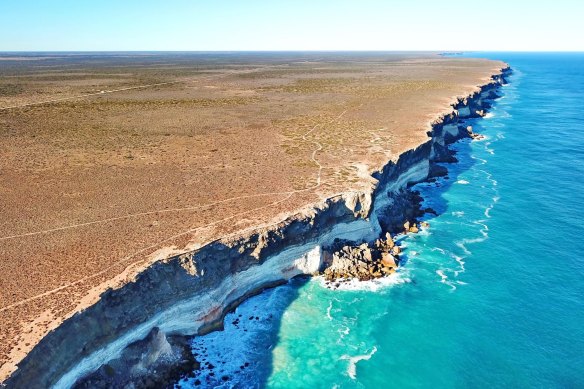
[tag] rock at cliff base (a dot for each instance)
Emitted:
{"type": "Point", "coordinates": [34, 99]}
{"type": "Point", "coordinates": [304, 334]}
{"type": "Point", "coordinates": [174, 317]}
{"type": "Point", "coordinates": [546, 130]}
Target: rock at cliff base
{"type": "Point", "coordinates": [361, 262]}
{"type": "Point", "coordinates": [431, 210]}
{"type": "Point", "coordinates": [438, 171]}
{"type": "Point", "coordinates": [157, 361]}
{"type": "Point", "coordinates": [389, 240]}
{"type": "Point", "coordinates": [388, 260]}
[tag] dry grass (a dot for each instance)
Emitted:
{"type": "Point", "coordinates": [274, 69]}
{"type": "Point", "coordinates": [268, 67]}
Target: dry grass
{"type": "Point", "coordinates": [91, 187]}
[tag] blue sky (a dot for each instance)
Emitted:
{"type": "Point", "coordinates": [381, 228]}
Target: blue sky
{"type": "Point", "coordinates": [291, 25]}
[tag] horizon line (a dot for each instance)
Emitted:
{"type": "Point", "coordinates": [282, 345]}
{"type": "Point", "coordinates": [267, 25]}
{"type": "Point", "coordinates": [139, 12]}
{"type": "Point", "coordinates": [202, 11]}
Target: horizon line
{"type": "Point", "coordinates": [292, 51]}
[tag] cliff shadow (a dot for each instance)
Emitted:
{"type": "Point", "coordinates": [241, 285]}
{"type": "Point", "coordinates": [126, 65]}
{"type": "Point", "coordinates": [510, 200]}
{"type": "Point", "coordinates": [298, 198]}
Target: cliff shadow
{"type": "Point", "coordinates": [240, 355]}
{"type": "Point", "coordinates": [431, 193]}
{"type": "Point", "coordinates": [433, 190]}
{"type": "Point", "coordinates": [464, 150]}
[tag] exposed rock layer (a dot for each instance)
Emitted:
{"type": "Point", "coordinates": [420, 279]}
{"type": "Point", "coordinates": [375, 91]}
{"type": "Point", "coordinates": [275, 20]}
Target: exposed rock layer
{"type": "Point", "coordinates": [190, 294]}
{"type": "Point", "coordinates": [150, 363]}
{"type": "Point", "coordinates": [365, 262]}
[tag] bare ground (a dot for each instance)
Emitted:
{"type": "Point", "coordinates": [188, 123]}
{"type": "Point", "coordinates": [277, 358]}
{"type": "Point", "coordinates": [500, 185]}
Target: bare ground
{"type": "Point", "coordinates": [109, 162]}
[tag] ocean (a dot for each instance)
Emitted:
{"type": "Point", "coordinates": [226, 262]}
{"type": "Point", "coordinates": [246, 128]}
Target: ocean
{"type": "Point", "coordinates": [492, 294]}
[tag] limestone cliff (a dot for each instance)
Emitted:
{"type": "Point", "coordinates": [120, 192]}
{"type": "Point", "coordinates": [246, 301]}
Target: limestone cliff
{"type": "Point", "coordinates": [190, 294]}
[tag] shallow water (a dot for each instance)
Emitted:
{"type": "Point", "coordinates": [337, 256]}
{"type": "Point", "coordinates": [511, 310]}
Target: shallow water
{"type": "Point", "coordinates": [491, 294]}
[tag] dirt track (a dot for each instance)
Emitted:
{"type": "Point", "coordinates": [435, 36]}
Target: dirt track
{"type": "Point", "coordinates": [182, 150]}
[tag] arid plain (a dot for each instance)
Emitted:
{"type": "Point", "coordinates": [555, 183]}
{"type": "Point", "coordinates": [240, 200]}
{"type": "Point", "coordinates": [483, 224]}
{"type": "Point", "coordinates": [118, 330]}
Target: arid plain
{"type": "Point", "coordinates": [110, 162]}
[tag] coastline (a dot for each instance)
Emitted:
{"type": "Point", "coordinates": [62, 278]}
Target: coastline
{"type": "Point", "coordinates": [231, 269]}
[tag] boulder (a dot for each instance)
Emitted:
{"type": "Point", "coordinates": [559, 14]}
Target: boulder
{"type": "Point", "coordinates": [379, 244]}
{"type": "Point", "coordinates": [367, 255]}
{"type": "Point", "coordinates": [389, 240]}
{"type": "Point", "coordinates": [362, 261]}
{"type": "Point", "coordinates": [388, 260]}
{"type": "Point", "coordinates": [437, 171]}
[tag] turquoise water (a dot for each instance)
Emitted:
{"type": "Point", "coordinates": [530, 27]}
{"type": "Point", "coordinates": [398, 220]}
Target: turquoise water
{"type": "Point", "coordinates": [491, 295]}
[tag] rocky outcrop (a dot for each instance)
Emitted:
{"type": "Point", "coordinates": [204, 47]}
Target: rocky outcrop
{"type": "Point", "coordinates": [190, 294]}
{"type": "Point", "coordinates": [149, 363]}
{"type": "Point", "coordinates": [474, 135]}
{"type": "Point", "coordinates": [363, 262]}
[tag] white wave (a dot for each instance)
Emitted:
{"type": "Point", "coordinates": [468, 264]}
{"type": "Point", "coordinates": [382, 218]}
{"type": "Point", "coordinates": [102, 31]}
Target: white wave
{"type": "Point", "coordinates": [371, 285]}
{"type": "Point", "coordinates": [488, 210]}
{"type": "Point", "coordinates": [461, 263]}
{"type": "Point", "coordinates": [443, 276]}
{"type": "Point", "coordinates": [481, 160]}
{"type": "Point", "coordinates": [463, 182]}
{"type": "Point", "coordinates": [244, 341]}
{"type": "Point", "coordinates": [352, 368]}
{"type": "Point", "coordinates": [481, 223]}
{"type": "Point", "coordinates": [489, 177]}
{"type": "Point", "coordinates": [462, 243]}
{"type": "Point", "coordinates": [444, 279]}
{"type": "Point", "coordinates": [328, 311]}
{"type": "Point", "coordinates": [343, 331]}
{"type": "Point", "coordinates": [489, 115]}
{"type": "Point", "coordinates": [463, 248]}
{"type": "Point", "coordinates": [458, 213]}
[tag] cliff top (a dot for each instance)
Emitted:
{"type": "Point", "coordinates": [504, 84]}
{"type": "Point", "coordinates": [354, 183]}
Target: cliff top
{"type": "Point", "coordinates": [111, 162]}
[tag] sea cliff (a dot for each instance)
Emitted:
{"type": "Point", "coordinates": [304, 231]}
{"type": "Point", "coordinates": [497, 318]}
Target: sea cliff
{"type": "Point", "coordinates": [189, 294]}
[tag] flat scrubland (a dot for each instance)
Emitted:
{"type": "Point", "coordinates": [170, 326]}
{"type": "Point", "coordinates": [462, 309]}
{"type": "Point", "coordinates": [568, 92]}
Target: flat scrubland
{"type": "Point", "coordinates": [110, 161]}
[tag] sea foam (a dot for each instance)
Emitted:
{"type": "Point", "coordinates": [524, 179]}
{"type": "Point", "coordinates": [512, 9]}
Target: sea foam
{"type": "Point", "coordinates": [352, 368]}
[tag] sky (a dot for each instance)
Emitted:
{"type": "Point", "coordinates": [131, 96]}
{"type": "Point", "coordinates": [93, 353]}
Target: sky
{"type": "Point", "coordinates": [225, 25]}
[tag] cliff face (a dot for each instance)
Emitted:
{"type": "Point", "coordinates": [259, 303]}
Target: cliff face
{"type": "Point", "coordinates": [189, 294]}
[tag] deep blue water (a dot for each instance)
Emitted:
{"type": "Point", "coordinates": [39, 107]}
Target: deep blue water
{"type": "Point", "coordinates": [492, 294]}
